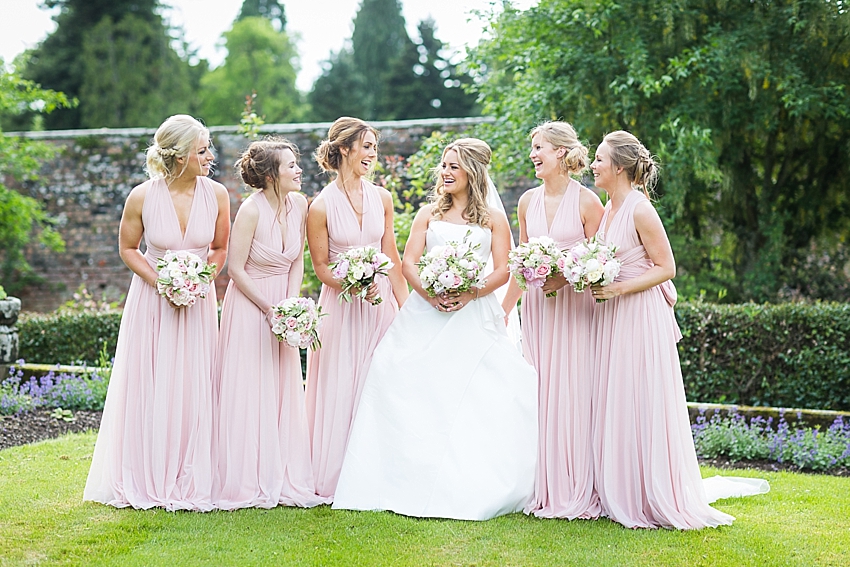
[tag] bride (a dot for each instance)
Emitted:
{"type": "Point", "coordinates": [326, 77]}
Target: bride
{"type": "Point", "coordinates": [447, 421]}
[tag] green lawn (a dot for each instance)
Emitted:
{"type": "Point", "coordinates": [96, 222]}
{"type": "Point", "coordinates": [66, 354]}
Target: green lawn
{"type": "Point", "coordinates": [804, 520]}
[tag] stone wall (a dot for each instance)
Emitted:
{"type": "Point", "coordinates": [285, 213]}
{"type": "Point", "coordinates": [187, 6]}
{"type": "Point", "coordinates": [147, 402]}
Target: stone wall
{"type": "Point", "coordinates": [86, 184]}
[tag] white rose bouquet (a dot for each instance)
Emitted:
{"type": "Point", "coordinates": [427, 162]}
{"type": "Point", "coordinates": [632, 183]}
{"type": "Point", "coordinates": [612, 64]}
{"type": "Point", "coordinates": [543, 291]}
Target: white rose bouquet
{"type": "Point", "coordinates": [591, 262]}
{"type": "Point", "coordinates": [358, 267]}
{"type": "Point", "coordinates": [533, 262]}
{"type": "Point", "coordinates": [183, 277]}
{"type": "Point", "coordinates": [295, 321]}
{"type": "Point", "coordinates": [452, 267]}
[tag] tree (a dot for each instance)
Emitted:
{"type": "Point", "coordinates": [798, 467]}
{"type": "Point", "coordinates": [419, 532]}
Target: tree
{"type": "Point", "coordinates": [337, 91]}
{"type": "Point", "coordinates": [271, 10]}
{"type": "Point", "coordinates": [745, 101]}
{"type": "Point", "coordinates": [21, 217]}
{"type": "Point", "coordinates": [259, 59]}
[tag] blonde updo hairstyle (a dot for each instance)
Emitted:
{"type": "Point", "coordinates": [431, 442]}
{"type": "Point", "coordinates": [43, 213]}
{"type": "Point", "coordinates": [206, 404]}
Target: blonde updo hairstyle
{"type": "Point", "coordinates": [260, 163]}
{"type": "Point", "coordinates": [175, 138]}
{"type": "Point", "coordinates": [627, 152]}
{"type": "Point", "coordinates": [343, 133]}
{"type": "Point", "coordinates": [473, 156]}
{"type": "Point", "coordinates": [563, 135]}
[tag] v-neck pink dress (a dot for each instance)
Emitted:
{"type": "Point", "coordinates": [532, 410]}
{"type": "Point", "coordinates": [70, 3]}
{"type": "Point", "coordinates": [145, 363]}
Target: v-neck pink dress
{"type": "Point", "coordinates": [153, 447]}
{"type": "Point", "coordinates": [646, 467]}
{"type": "Point", "coordinates": [349, 335]}
{"type": "Point", "coordinates": [262, 448]}
{"type": "Point", "coordinates": [556, 339]}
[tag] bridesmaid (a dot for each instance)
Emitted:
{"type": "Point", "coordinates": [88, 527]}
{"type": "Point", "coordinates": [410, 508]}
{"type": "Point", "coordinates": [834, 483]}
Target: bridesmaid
{"type": "Point", "coordinates": [348, 213]}
{"type": "Point", "coordinates": [153, 447]}
{"type": "Point", "coordinates": [645, 463]}
{"type": "Point", "coordinates": [556, 330]}
{"type": "Point", "coordinates": [263, 448]}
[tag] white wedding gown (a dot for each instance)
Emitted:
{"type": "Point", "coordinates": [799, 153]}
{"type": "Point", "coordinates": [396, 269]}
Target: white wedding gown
{"type": "Point", "coordinates": [447, 421]}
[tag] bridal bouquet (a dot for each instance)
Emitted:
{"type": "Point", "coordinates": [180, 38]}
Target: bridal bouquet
{"type": "Point", "coordinates": [295, 321]}
{"type": "Point", "coordinates": [183, 277]}
{"type": "Point", "coordinates": [357, 267]}
{"type": "Point", "coordinates": [452, 267]}
{"type": "Point", "coordinates": [591, 262]}
{"type": "Point", "coordinates": [532, 262]}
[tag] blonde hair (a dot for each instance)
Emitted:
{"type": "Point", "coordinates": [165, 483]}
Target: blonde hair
{"type": "Point", "coordinates": [473, 156]}
{"type": "Point", "coordinates": [627, 152]}
{"type": "Point", "coordinates": [563, 135]}
{"type": "Point", "coordinates": [261, 162]}
{"type": "Point", "coordinates": [175, 138]}
{"type": "Point", "coordinates": [342, 134]}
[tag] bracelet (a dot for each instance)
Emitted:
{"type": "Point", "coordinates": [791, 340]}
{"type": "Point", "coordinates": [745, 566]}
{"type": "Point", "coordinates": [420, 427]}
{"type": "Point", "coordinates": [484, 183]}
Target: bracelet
{"type": "Point", "coordinates": [477, 292]}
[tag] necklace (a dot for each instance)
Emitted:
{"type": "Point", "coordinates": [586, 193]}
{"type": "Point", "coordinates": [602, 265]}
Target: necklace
{"type": "Point", "coordinates": [350, 202]}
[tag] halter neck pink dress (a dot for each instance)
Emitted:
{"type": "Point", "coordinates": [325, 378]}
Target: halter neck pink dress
{"type": "Point", "coordinates": [349, 335]}
{"type": "Point", "coordinates": [153, 447]}
{"type": "Point", "coordinates": [556, 339]}
{"type": "Point", "coordinates": [262, 449]}
{"type": "Point", "coordinates": [646, 467]}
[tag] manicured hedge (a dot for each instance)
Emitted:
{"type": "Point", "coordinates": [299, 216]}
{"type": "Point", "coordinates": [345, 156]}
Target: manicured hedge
{"type": "Point", "coordinates": [784, 355]}
{"type": "Point", "coordinates": [68, 338]}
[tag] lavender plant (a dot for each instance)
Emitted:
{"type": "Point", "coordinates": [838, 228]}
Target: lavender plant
{"type": "Point", "coordinates": [63, 390]}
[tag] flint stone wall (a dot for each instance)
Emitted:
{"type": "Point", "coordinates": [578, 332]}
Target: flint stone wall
{"type": "Point", "coordinates": [87, 182]}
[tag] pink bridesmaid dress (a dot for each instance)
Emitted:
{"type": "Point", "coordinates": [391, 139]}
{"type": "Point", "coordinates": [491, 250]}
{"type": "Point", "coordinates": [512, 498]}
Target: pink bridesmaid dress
{"type": "Point", "coordinates": [262, 448]}
{"type": "Point", "coordinates": [153, 447]}
{"type": "Point", "coordinates": [646, 471]}
{"type": "Point", "coordinates": [349, 335]}
{"type": "Point", "coordinates": [556, 339]}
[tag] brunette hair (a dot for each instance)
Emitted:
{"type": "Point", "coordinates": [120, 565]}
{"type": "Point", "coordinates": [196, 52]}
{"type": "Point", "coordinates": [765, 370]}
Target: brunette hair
{"type": "Point", "coordinates": [473, 156]}
{"type": "Point", "coordinates": [343, 133]}
{"type": "Point", "coordinates": [261, 163]}
{"type": "Point", "coordinates": [175, 138]}
{"type": "Point", "coordinates": [627, 152]}
{"type": "Point", "coordinates": [563, 135]}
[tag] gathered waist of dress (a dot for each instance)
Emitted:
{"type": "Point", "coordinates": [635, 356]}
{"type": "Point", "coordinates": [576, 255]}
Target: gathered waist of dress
{"type": "Point", "coordinates": [260, 271]}
{"type": "Point", "coordinates": [152, 254]}
{"type": "Point", "coordinates": [635, 262]}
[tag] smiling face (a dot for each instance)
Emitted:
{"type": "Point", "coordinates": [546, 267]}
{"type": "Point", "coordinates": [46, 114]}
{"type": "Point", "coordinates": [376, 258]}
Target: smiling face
{"type": "Point", "coordinates": [604, 173]}
{"type": "Point", "coordinates": [545, 157]}
{"type": "Point", "coordinates": [200, 159]}
{"type": "Point", "coordinates": [455, 178]}
{"type": "Point", "coordinates": [362, 154]}
{"type": "Point", "coordinates": [288, 173]}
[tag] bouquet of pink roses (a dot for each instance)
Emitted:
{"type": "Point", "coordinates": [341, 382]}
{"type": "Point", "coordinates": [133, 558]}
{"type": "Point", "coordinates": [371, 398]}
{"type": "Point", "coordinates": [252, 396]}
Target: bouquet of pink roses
{"type": "Point", "coordinates": [295, 321]}
{"type": "Point", "coordinates": [183, 277]}
{"type": "Point", "coordinates": [533, 262]}
{"type": "Point", "coordinates": [357, 267]}
{"type": "Point", "coordinates": [591, 262]}
{"type": "Point", "coordinates": [451, 267]}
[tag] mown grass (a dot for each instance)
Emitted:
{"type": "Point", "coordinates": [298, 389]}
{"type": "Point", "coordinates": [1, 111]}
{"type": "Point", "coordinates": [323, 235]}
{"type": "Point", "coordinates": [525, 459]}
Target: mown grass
{"type": "Point", "coordinates": [804, 520]}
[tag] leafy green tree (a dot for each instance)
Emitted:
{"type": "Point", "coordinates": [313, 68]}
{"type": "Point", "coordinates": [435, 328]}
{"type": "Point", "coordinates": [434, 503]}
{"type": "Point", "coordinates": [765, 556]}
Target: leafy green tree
{"type": "Point", "coordinates": [745, 102]}
{"type": "Point", "coordinates": [337, 91]}
{"type": "Point", "coordinates": [131, 76]}
{"type": "Point", "coordinates": [22, 217]}
{"type": "Point", "coordinates": [259, 59]}
{"type": "Point", "coordinates": [271, 10]}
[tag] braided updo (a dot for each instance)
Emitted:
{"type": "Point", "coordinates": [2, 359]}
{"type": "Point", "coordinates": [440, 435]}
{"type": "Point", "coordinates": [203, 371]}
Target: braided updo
{"type": "Point", "coordinates": [343, 133]}
{"type": "Point", "coordinates": [627, 152]}
{"type": "Point", "coordinates": [175, 138]}
{"type": "Point", "coordinates": [563, 135]}
{"type": "Point", "coordinates": [260, 163]}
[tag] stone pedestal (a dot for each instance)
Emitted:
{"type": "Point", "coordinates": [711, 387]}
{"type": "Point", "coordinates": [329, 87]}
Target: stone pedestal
{"type": "Point", "coordinates": [9, 309]}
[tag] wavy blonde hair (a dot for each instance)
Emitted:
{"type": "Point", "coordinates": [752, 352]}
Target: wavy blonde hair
{"type": "Point", "coordinates": [175, 138]}
{"type": "Point", "coordinates": [473, 156]}
{"type": "Point", "coordinates": [563, 135]}
{"type": "Point", "coordinates": [342, 134]}
{"type": "Point", "coordinates": [627, 152]}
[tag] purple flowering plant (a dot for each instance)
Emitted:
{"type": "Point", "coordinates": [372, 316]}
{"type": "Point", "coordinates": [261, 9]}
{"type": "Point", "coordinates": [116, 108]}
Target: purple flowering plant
{"type": "Point", "coordinates": [85, 391]}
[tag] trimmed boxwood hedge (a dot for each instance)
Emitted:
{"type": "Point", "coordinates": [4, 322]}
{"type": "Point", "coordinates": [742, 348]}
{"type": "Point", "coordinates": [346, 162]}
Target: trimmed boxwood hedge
{"type": "Point", "coordinates": [785, 355]}
{"type": "Point", "coordinates": [68, 338]}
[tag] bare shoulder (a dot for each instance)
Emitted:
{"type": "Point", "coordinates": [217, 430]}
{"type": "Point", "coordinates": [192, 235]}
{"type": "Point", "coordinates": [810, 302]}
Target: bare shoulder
{"type": "Point", "coordinates": [136, 198]}
{"type": "Point", "coordinates": [300, 200]}
{"type": "Point", "coordinates": [498, 218]}
{"type": "Point", "coordinates": [526, 197]}
{"type": "Point", "coordinates": [318, 205]}
{"type": "Point", "coordinates": [249, 208]}
{"type": "Point", "coordinates": [645, 215]}
{"type": "Point", "coordinates": [588, 195]}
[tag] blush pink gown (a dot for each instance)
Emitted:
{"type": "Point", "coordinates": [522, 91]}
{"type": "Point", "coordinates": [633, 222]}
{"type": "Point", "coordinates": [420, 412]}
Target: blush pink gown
{"type": "Point", "coordinates": [556, 339]}
{"type": "Point", "coordinates": [262, 448]}
{"type": "Point", "coordinates": [349, 335]}
{"type": "Point", "coordinates": [646, 466]}
{"type": "Point", "coordinates": [153, 447]}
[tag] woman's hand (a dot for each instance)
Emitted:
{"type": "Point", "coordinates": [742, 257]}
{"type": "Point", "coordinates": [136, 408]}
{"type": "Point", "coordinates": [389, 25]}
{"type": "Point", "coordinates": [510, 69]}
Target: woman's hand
{"type": "Point", "coordinates": [605, 292]}
{"type": "Point", "coordinates": [371, 292]}
{"type": "Point", "coordinates": [554, 283]}
{"type": "Point", "coordinates": [452, 301]}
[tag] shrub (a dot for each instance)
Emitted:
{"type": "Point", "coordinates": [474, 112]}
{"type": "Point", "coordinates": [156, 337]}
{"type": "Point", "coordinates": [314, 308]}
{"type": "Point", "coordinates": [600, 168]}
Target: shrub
{"type": "Point", "coordinates": [68, 338]}
{"type": "Point", "coordinates": [784, 355]}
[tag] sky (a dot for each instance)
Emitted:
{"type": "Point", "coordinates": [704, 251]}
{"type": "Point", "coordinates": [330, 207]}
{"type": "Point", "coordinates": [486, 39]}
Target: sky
{"type": "Point", "coordinates": [322, 26]}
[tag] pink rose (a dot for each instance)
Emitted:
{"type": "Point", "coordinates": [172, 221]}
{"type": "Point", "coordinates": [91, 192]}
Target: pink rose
{"type": "Point", "coordinates": [543, 270]}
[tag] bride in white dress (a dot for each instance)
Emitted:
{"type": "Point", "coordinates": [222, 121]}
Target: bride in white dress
{"type": "Point", "coordinates": [447, 421]}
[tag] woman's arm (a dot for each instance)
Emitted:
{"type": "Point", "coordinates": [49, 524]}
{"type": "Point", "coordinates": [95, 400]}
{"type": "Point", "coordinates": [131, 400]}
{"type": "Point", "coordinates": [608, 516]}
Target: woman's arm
{"type": "Point", "coordinates": [240, 246]}
{"type": "Point", "coordinates": [130, 236]}
{"type": "Point", "coordinates": [500, 245]}
{"type": "Point", "coordinates": [591, 210]}
{"type": "Point", "coordinates": [514, 292]}
{"type": "Point", "coordinates": [218, 246]}
{"type": "Point", "coordinates": [318, 242]}
{"type": "Point", "coordinates": [654, 238]}
{"type": "Point", "coordinates": [390, 248]}
{"type": "Point", "coordinates": [296, 271]}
